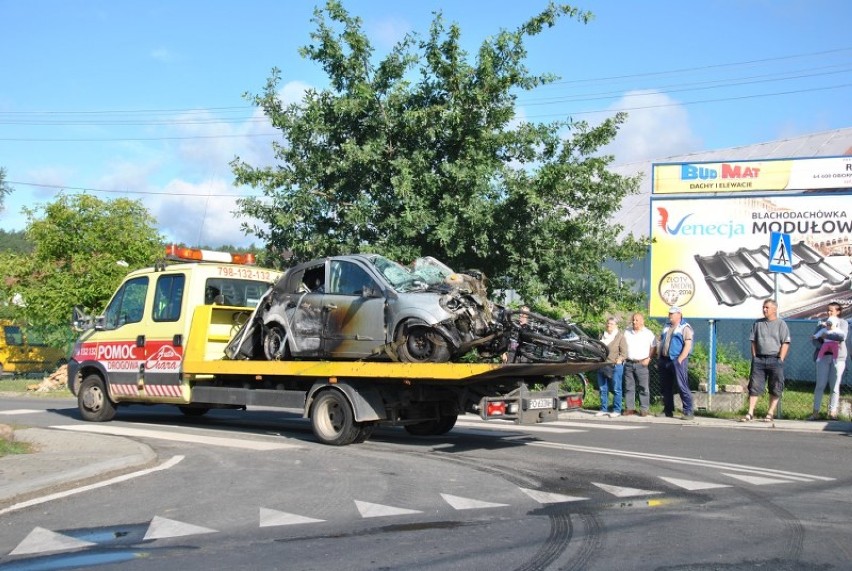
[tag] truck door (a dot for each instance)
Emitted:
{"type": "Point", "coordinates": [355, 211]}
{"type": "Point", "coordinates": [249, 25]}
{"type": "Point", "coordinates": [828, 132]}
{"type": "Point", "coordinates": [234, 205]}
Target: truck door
{"type": "Point", "coordinates": [120, 346]}
{"type": "Point", "coordinates": [164, 341]}
{"type": "Point", "coordinates": [354, 311]}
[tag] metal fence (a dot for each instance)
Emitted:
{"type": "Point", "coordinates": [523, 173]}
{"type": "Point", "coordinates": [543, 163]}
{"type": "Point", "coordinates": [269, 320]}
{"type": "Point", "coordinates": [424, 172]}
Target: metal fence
{"type": "Point", "coordinates": [731, 395]}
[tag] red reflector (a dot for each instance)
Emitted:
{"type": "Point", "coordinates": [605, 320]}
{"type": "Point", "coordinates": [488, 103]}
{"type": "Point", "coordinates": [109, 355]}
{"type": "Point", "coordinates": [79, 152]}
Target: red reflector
{"type": "Point", "coordinates": [495, 409]}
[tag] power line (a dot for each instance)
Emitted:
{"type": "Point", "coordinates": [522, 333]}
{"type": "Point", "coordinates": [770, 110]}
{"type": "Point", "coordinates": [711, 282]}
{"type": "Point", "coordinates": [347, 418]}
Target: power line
{"type": "Point", "coordinates": [111, 191]}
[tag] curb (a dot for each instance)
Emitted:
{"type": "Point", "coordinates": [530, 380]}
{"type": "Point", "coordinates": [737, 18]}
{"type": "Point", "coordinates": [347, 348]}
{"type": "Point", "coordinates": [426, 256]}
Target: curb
{"type": "Point", "coordinates": [62, 459]}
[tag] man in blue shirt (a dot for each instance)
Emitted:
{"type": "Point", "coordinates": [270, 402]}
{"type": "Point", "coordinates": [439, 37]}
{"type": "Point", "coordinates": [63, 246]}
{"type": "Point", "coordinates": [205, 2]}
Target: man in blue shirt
{"type": "Point", "coordinates": [673, 359]}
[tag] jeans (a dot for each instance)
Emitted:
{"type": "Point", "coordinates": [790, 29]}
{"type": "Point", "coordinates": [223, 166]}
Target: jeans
{"type": "Point", "coordinates": [636, 373]}
{"type": "Point", "coordinates": [673, 374]}
{"type": "Point", "coordinates": [828, 373]}
{"type": "Point", "coordinates": [605, 384]}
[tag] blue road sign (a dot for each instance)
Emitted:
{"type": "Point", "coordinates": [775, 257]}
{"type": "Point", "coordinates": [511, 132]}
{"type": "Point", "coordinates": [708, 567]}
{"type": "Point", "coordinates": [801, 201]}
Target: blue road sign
{"type": "Point", "coordinates": [780, 253]}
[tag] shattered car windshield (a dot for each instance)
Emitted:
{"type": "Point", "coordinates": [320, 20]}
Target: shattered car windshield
{"type": "Point", "coordinates": [426, 272]}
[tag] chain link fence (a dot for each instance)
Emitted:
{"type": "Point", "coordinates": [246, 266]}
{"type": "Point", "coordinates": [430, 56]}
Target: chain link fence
{"type": "Point", "coordinates": [733, 350]}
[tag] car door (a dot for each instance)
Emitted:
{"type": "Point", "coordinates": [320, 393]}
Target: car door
{"type": "Point", "coordinates": [354, 312]}
{"type": "Point", "coordinates": [304, 314]}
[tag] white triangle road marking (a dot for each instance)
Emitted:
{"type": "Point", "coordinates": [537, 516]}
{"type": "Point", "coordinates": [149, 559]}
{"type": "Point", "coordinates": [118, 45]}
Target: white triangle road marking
{"type": "Point", "coordinates": [378, 510]}
{"type": "Point", "coordinates": [42, 540]}
{"type": "Point", "coordinates": [550, 497]}
{"type": "Point", "coordinates": [270, 518]}
{"type": "Point", "coordinates": [460, 503]}
{"type": "Point", "coordinates": [757, 480]}
{"type": "Point", "coordinates": [162, 528]}
{"type": "Point", "coordinates": [693, 485]}
{"type": "Point", "coordinates": [622, 492]}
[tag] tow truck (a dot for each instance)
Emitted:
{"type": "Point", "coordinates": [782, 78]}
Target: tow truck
{"type": "Point", "coordinates": [162, 340]}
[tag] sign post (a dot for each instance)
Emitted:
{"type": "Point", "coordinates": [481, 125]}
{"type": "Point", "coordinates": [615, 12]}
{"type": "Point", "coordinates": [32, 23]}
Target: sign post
{"type": "Point", "coordinates": [780, 262]}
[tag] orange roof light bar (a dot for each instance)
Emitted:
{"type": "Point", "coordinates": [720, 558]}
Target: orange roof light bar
{"type": "Point", "coordinates": [184, 254]}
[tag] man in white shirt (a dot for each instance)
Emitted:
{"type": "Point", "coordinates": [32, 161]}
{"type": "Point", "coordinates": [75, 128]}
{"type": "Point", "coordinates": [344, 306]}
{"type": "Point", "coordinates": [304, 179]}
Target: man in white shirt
{"type": "Point", "coordinates": [641, 344]}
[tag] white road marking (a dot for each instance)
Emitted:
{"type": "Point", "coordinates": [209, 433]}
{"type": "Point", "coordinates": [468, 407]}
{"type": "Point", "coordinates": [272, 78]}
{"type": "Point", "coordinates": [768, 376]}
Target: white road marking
{"type": "Point", "coordinates": [460, 503]}
{"type": "Point", "coordinates": [757, 480]}
{"type": "Point", "coordinates": [42, 540]}
{"type": "Point", "coordinates": [622, 492]}
{"type": "Point", "coordinates": [693, 485]}
{"type": "Point", "coordinates": [595, 425]}
{"type": "Point", "coordinates": [686, 461]}
{"type": "Point", "coordinates": [550, 497]}
{"type": "Point", "coordinates": [378, 510]}
{"type": "Point", "coordinates": [164, 466]}
{"type": "Point", "coordinates": [271, 518]}
{"type": "Point", "coordinates": [17, 411]}
{"type": "Point", "coordinates": [178, 437]}
{"type": "Point", "coordinates": [503, 425]}
{"type": "Point", "coordinates": [163, 528]}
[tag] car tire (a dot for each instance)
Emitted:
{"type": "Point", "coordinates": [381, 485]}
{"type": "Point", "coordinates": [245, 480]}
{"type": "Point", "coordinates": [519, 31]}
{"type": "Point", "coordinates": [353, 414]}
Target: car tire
{"type": "Point", "coordinates": [93, 401]}
{"type": "Point", "coordinates": [275, 343]}
{"type": "Point", "coordinates": [419, 344]}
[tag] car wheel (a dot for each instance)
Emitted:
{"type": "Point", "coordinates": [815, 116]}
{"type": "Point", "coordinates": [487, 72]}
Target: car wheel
{"type": "Point", "coordinates": [419, 344]}
{"type": "Point", "coordinates": [333, 420]}
{"type": "Point", "coordinates": [275, 343]}
{"type": "Point", "coordinates": [93, 400]}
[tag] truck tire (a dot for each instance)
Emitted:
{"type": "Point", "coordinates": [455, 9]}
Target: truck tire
{"type": "Point", "coordinates": [333, 420]}
{"type": "Point", "coordinates": [436, 427]}
{"type": "Point", "coordinates": [419, 344]}
{"type": "Point", "coordinates": [194, 411]}
{"type": "Point", "coordinates": [93, 400]}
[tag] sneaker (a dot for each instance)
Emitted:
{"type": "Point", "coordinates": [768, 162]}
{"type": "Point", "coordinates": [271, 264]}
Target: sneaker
{"type": "Point", "coordinates": [814, 416]}
{"type": "Point", "coordinates": [643, 413]}
{"type": "Point", "coordinates": [614, 414]}
{"type": "Point", "coordinates": [629, 412]}
{"type": "Point", "coordinates": [688, 417]}
{"type": "Point", "coordinates": [600, 413]}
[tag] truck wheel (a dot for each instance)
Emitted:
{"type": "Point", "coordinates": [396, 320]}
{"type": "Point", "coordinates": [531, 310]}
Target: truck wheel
{"type": "Point", "coordinates": [433, 427]}
{"type": "Point", "coordinates": [93, 400]}
{"type": "Point", "coordinates": [275, 343]}
{"type": "Point", "coordinates": [333, 420]}
{"type": "Point", "coordinates": [364, 432]}
{"type": "Point", "coordinates": [420, 345]}
{"type": "Point", "coordinates": [194, 410]}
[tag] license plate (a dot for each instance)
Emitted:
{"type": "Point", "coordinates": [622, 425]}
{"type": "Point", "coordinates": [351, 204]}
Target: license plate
{"type": "Point", "coordinates": [540, 403]}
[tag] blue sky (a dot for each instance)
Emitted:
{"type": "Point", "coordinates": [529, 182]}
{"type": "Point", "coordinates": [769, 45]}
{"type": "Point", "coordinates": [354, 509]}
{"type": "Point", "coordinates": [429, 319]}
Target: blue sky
{"type": "Point", "coordinates": [144, 99]}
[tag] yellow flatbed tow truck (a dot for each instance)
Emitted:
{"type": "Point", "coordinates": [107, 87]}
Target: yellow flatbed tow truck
{"type": "Point", "coordinates": [162, 341]}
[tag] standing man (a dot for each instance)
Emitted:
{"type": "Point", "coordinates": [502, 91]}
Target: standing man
{"type": "Point", "coordinates": [673, 349]}
{"type": "Point", "coordinates": [640, 348]}
{"type": "Point", "coordinates": [770, 341]}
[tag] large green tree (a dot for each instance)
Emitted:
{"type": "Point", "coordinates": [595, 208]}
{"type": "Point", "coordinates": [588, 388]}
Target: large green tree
{"type": "Point", "coordinates": [422, 153]}
{"type": "Point", "coordinates": [83, 247]}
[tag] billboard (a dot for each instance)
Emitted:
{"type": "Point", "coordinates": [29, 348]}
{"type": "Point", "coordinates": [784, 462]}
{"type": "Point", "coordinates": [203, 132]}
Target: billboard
{"type": "Point", "coordinates": [821, 173]}
{"type": "Point", "coordinates": [711, 252]}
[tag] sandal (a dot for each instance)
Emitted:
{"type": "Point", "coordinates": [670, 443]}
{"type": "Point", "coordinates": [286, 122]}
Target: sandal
{"type": "Point", "coordinates": [767, 418]}
{"type": "Point", "coordinates": [747, 418]}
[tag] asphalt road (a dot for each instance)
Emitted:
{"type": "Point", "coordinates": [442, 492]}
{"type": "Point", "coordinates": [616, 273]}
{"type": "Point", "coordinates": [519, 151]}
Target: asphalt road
{"type": "Point", "coordinates": [253, 490]}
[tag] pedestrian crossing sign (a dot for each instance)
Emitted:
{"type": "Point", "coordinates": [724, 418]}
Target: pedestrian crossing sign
{"type": "Point", "coordinates": [780, 253]}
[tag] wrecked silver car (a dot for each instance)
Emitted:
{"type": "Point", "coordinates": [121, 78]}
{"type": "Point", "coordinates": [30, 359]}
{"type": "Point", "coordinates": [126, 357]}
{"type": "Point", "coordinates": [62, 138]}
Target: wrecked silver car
{"type": "Point", "coordinates": [365, 306]}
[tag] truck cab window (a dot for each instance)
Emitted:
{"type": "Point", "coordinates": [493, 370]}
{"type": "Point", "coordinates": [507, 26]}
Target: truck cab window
{"type": "Point", "coordinates": [128, 304]}
{"type": "Point", "coordinates": [168, 297]}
